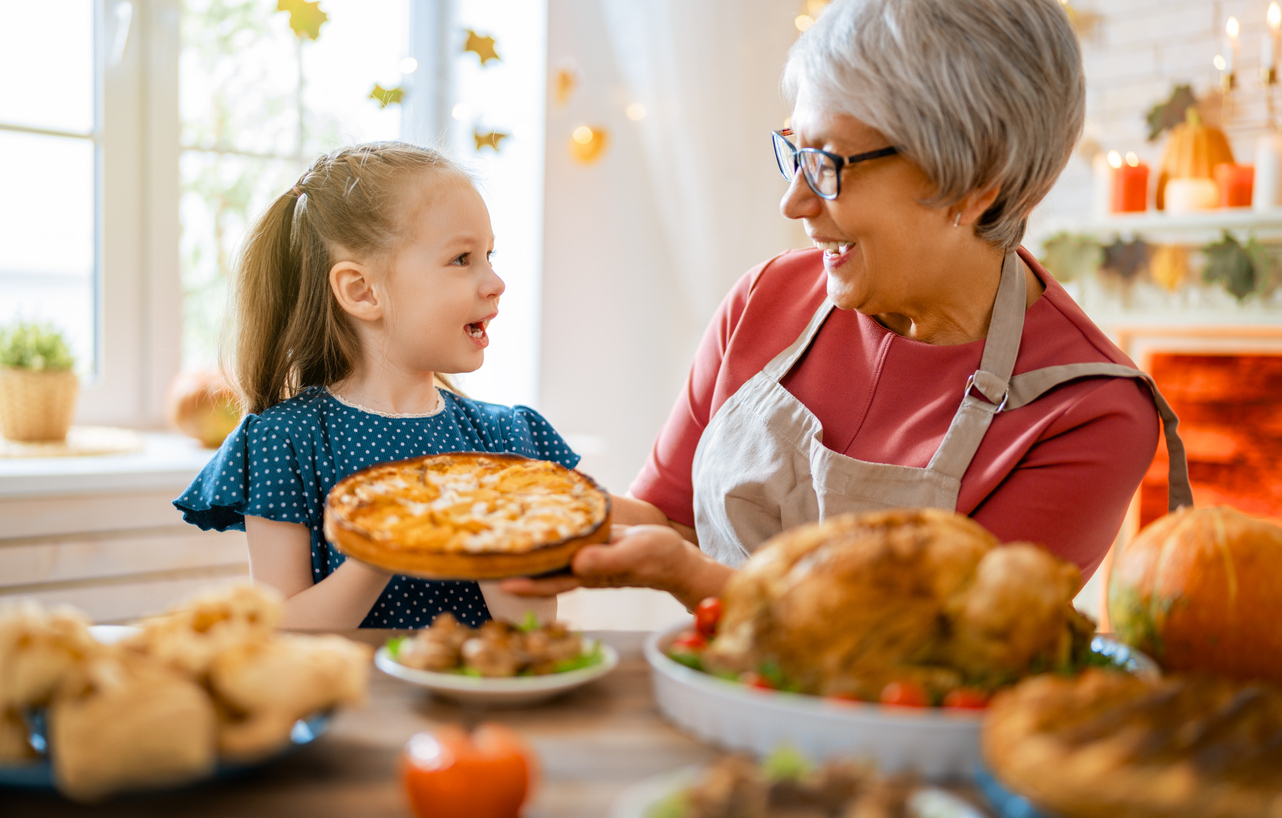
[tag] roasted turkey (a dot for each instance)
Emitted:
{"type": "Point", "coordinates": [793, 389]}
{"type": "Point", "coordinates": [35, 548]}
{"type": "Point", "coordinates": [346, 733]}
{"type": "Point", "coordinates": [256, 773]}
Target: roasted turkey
{"type": "Point", "coordinates": [846, 606]}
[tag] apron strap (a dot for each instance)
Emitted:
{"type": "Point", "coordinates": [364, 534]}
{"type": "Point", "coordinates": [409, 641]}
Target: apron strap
{"type": "Point", "coordinates": [784, 361]}
{"type": "Point", "coordinates": [991, 380]}
{"type": "Point", "coordinates": [1028, 386]}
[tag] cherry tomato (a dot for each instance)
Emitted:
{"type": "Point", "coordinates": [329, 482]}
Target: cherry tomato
{"type": "Point", "coordinates": [753, 679]}
{"type": "Point", "coordinates": [904, 694]}
{"type": "Point", "coordinates": [690, 642]}
{"type": "Point", "coordinates": [450, 774]}
{"type": "Point", "coordinates": [967, 698]}
{"type": "Point", "coordinates": [707, 615]}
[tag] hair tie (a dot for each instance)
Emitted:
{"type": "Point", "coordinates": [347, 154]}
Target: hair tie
{"type": "Point", "coordinates": [297, 191]}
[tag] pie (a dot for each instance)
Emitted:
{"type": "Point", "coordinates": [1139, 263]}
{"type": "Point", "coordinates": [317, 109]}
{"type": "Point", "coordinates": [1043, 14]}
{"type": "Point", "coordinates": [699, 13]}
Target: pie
{"type": "Point", "coordinates": [466, 516]}
{"type": "Point", "coordinates": [1111, 744]}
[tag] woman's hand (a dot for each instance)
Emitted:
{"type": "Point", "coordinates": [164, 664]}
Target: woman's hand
{"type": "Point", "coordinates": [641, 556]}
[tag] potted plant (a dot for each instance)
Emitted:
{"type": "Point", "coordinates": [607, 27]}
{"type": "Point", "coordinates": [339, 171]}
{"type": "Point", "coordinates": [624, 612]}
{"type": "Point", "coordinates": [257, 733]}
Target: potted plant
{"type": "Point", "coordinates": [37, 385]}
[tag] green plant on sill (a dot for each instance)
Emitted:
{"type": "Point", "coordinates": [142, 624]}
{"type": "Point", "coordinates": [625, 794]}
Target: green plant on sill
{"type": "Point", "coordinates": [35, 346]}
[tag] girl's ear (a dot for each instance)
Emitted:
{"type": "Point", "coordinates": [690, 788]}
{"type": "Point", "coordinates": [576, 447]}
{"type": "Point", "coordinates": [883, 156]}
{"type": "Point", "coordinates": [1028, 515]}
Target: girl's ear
{"type": "Point", "coordinates": [350, 282]}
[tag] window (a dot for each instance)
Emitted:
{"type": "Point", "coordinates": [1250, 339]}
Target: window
{"type": "Point", "coordinates": [154, 132]}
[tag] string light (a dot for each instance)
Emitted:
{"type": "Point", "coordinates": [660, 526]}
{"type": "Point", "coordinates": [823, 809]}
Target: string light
{"type": "Point", "coordinates": [635, 112]}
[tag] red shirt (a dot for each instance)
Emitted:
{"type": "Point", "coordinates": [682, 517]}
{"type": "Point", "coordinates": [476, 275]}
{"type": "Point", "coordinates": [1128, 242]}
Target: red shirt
{"type": "Point", "coordinates": [1060, 471]}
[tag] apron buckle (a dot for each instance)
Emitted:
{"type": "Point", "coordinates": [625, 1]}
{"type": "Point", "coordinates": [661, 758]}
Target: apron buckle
{"type": "Point", "coordinates": [1001, 404]}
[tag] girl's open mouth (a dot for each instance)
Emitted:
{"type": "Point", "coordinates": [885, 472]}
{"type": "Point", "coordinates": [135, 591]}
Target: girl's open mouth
{"type": "Point", "coordinates": [476, 330]}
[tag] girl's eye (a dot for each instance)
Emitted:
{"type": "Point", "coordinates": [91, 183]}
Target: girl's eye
{"type": "Point", "coordinates": [462, 260]}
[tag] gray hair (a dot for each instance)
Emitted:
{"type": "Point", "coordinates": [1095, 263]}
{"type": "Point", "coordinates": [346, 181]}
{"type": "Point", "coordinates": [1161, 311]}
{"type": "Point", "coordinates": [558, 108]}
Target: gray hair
{"type": "Point", "coordinates": [977, 93]}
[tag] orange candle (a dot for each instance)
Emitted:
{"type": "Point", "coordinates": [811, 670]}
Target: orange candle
{"type": "Point", "coordinates": [1237, 184]}
{"type": "Point", "coordinates": [1130, 183]}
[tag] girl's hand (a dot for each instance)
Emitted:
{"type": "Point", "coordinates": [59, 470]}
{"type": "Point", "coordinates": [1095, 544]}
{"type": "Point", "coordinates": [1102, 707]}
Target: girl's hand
{"type": "Point", "coordinates": [642, 556]}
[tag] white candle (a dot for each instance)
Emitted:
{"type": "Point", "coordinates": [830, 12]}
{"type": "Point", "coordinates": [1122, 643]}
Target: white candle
{"type": "Point", "coordinates": [1271, 38]}
{"type": "Point", "coordinates": [1268, 172]}
{"type": "Point", "coordinates": [1230, 45]}
{"type": "Point", "coordinates": [1101, 185]}
{"type": "Point", "coordinates": [1188, 195]}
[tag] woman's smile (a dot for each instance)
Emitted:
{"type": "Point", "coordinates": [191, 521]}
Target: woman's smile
{"type": "Point", "coordinates": [836, 253]}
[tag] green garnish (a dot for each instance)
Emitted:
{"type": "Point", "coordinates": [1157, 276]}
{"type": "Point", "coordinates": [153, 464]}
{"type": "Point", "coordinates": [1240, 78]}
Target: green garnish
{"type": "Point", "coordinates": [786, 764]}
{"type": "Point", "coordinates": [394, 645]}
{"type": "Point", "coordinates": [676, 805]}
{"type": "Point", "coordinates": [585, 659]}
{"type": "Point", "coordinates": [690, 660]}
{"type": "Point", "coordinates": [530, 623]}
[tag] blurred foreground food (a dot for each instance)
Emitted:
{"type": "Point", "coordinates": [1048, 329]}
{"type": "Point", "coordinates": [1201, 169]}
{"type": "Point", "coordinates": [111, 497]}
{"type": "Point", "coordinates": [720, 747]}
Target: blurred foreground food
{"type": "Point", "coordinates": [209, 681]}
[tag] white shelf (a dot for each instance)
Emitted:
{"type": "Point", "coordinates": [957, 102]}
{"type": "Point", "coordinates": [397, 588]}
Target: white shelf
{"type": "Point", "coordinates": [1209, 223]}
{"type": "Point", "coordinates": [166, 461]}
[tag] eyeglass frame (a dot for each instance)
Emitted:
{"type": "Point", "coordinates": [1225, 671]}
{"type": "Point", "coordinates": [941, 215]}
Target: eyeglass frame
{"type": "Point", "coordinates": [840, 162]}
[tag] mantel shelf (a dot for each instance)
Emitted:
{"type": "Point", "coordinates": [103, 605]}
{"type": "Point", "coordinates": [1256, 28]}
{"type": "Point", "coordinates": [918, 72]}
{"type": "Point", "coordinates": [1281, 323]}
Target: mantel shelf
{"type": "Point", "coordinates": [1263, 224]}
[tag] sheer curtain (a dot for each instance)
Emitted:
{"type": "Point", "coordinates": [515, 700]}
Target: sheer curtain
{"type": "Point", "coordinates": [708, 74]}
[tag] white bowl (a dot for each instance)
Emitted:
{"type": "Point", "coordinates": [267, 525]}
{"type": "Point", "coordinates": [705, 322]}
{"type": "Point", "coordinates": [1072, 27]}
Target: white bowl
{"type": "Point", "coordinates": [509, 691]}
{"type": "Point", "coordinates": [936, 742]}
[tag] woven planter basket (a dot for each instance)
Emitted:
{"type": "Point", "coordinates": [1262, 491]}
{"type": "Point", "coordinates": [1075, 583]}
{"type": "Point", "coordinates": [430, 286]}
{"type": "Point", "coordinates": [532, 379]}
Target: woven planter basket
{"type": "Point", "coordinates": [37, 405]}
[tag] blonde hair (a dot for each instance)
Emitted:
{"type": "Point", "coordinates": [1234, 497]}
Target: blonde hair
{"type": "Point", "coordinates": [976, 93]}
{"type": "Point", "coordinates": [290, 332]}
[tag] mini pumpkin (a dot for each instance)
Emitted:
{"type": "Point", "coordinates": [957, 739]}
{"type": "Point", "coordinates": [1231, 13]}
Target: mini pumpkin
{"type": "Point", "coordinates": [1193, 150]}
{"type": "Point", "coordinates": [1202, 590]}
{"type": "Point", "coordinates": [202, 405]}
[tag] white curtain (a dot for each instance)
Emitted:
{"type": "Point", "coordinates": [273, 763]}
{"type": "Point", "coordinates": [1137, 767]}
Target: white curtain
{"type": "Point", "coordinates": [708, 74]}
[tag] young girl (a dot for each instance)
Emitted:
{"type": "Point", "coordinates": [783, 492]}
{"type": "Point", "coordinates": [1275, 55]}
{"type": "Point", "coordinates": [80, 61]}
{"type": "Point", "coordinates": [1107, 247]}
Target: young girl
{"type": "Point", "coordinates": [357, 289]}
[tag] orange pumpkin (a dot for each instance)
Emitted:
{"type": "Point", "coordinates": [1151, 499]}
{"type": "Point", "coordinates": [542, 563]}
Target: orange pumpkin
{"type": "Point", "coordinates": [1202, 590]}
{"type": "Point", "coordinates": [1193, 150]}
{"type": "Point", "coordinates": [202, 405]}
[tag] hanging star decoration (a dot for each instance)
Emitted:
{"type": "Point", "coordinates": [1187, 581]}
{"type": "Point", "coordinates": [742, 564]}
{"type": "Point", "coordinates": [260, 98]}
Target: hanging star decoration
{"type": "Point", "coordinates": [305, 17]}
{"type": "Point", "coordinates": [564, 81]}
{"type": "Point", "coordinates": [1234, 266]}
{"type": "Point", "coordinates": [1070, 257]}
{"type": "Point", "coordinates": [387, 96]}
{"type": "Point", "coordinates": [488, 140]}
{"type": "Point", "coordinates": [482, 47]}
{"type": "Point", "coordinates": [1125, 259]}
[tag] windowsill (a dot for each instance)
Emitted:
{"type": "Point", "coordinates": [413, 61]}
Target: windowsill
{"type": "Point", "coordinates": [166, 461]}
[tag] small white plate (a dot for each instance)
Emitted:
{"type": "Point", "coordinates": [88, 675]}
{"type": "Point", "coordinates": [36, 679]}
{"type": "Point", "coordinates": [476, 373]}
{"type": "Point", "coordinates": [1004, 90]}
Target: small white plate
{"type": "Point", "coordinates": [642, 799]}
{"type": "Point", "coordinates": [511, 691]}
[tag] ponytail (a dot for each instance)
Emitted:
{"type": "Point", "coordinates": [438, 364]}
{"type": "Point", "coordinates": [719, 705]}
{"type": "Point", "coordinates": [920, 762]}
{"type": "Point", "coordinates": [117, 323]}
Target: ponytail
{"type": "Point", "coordinates": [291, 332]}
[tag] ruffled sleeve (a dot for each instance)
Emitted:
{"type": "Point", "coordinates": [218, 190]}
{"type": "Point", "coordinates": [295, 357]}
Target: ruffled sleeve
{"type": "Point", "coordinates": [256, 471]}
{"type": "Point", "coordinates": [527, 432]}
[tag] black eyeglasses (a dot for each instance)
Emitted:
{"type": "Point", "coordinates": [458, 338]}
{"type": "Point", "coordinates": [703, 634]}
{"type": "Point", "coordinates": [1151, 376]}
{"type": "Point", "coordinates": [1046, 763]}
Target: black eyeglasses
{"type": "Point", "coordinates": [821, 169]}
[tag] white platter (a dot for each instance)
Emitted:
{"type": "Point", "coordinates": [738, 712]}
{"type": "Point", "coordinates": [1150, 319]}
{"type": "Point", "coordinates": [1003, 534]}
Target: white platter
{"type": "Point", "coordinates": [510, 691]}
{"type": "Point", "coordinates": [643, 798]}
{"type": "Point", "coordinates": [935, 742]}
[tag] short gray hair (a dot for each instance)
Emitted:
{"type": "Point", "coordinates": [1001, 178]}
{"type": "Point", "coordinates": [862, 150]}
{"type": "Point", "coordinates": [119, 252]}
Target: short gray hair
{"type": "Point", "coordinates": [975, 92]}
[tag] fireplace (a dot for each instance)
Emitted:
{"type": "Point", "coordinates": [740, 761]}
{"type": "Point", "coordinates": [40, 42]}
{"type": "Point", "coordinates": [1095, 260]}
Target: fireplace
{"type": "Point", "coordinates": [1225, 384]}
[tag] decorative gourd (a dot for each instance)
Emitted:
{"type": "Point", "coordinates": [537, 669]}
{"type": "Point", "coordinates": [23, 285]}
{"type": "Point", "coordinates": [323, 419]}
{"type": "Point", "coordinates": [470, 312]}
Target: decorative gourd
{"type": "Point", "coordinates": [1202, 590]}
{"type": "Point", "coordinates": [1192, 151]}
{"type": "Point", "coordinates": [202, 405]}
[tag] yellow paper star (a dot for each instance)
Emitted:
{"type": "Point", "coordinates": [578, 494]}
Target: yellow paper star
{"type": "Point", "coordinates": [305, 18]}
{"type": "Point", "coordinates": [488, 140]}
{"type": "Point", "coordinates": [482, 47]}
{"type": "Point", "coordinates": [387, 96]}
{"type": "Point", "coordinates": [563, 82]}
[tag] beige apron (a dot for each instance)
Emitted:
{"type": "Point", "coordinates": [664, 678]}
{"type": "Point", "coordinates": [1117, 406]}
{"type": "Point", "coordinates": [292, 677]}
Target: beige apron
{"type": "Point", "coordinates": [761, 466]}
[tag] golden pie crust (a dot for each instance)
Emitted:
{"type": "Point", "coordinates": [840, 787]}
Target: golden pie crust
{"type": "Point", "coordinates": [467, 516]}
{"type": "Point", "coordinates": [1108, 744]}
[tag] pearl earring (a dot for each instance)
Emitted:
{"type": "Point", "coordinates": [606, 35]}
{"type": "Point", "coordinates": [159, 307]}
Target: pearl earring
{"type": "Point", "coordinates": [957, 220]}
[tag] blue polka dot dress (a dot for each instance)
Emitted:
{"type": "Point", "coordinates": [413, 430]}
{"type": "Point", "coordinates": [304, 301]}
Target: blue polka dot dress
{"type": "Point", "coordinates": [282, 463]}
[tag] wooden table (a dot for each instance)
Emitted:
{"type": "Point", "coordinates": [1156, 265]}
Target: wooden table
{"type": "Point", "coordinates": [592, 743]}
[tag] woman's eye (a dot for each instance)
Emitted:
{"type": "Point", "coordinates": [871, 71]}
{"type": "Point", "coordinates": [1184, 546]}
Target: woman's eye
{"type": "Point", "coordinates": [490, 255]}
{"type": "Point", "coordinates": [462, 260]}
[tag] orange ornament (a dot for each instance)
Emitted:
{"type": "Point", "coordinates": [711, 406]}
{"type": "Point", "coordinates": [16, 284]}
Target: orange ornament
{"type": "Point", "coordinates": [1193, 150]}
{"type": "Point", "coordinates": [1201, 589]}
{"type": "Point", "coordinates": [202, 405]}
{"type": "Point", "coordinates": [587, 143]}
{"type": "Point", "coordinates": [451, 774]}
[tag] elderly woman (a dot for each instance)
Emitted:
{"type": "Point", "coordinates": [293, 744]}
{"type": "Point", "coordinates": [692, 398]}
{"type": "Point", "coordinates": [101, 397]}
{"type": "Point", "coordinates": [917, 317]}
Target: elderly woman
{"type": "Point", "coordinates": [918, 356]}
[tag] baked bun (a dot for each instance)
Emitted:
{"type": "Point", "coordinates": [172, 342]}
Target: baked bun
{"type": "Point", "coordinates": [466, 516]}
